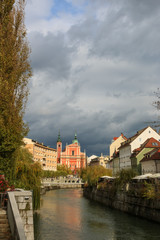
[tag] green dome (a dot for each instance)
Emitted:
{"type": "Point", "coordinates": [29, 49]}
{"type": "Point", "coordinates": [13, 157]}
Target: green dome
{"type": "Point", "coordinates": [75, 139]}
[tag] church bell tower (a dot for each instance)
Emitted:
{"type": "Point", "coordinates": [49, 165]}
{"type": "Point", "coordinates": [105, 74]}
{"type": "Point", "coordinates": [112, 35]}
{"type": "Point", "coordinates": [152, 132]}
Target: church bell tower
{"type": "Point", "coordinates": [59, 148]}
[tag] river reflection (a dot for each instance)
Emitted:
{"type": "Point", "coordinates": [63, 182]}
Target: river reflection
{"type": "Point", "coordinates": [66, 215]}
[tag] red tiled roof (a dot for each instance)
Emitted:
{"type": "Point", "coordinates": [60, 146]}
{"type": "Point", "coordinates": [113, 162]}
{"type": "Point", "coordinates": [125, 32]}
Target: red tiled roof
{"type": "Point", "coordinates": [135, 152]}
{"type": "Point", "coordinates": [115, 138]}
{"type": "Point", "coordinates": [151, 143]}
{"type": "Point", "coordinates": [123, 136]}
{"type": "Point", "coordinates": [131, 139]}
{"type": "Point", "coordinates": [152, 155]}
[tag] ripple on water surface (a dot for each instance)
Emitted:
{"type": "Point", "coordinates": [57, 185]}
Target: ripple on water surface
{"type": "Point", "coordinates": [66, 215]}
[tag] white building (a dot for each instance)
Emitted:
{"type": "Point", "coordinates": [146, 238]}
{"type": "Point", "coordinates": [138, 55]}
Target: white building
{"type": "Point", "coordinates": [127, 147]}
{"type": "Point", "coordinates": [91, 158]}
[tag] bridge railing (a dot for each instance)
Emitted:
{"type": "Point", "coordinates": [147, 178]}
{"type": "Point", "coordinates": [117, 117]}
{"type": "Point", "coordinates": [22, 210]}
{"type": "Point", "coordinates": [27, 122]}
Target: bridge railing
{"type": "Point", "coordinates": [62, 181]}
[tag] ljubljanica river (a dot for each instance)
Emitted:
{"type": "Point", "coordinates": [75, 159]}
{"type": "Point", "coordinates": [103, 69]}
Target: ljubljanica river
{"type": "Point", "coordinates": [66, 215]}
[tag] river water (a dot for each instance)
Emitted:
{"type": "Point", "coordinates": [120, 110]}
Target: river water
{"type": "Point", "coordinates": [66, 215]}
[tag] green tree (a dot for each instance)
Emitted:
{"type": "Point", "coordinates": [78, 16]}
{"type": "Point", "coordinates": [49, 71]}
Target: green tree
{"type": "Point", "coordinates": [62, 170]}
{"type": "Point", "coordinates": [124, 176]}
{"type": "Point", "coordinates": [28, 174]}
{"type": "Point", "coordinates": [93, 173]}
{"type": "Point", "coordinates": [15, 72]}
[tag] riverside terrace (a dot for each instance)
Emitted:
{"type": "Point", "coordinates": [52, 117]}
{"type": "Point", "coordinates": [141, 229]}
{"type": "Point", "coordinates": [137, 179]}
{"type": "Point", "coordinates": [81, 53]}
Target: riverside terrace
{"type": "Point", "coordinates": [62, 182]}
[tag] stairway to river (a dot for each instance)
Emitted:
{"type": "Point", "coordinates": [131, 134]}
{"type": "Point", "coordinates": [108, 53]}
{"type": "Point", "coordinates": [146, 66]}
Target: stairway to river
{"type": "Point", "coordinates": [5, 232]}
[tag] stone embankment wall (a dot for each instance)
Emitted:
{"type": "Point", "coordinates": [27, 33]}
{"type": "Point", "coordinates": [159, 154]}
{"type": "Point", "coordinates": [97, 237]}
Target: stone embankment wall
{"type": "Point", "coordinates": [126, 201]}
{"type": "Point", "coordinates": [20, 214]}
{"type": "Point", "coordinates": [24, 203]}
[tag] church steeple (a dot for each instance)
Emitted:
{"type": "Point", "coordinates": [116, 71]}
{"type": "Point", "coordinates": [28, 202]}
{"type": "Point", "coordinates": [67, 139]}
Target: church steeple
{"type": "Point", "coordinates": [75, 139]}
{"type": "Point", "coordinates": [59, 148]}
{"type": "Point", "coordinates": [59, 137]}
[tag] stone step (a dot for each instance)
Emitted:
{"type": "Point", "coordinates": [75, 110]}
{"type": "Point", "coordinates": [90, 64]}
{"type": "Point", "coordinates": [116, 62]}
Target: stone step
{"type": "Point", "coordinates": [3, 214]}
{"type": "Point", "coordinates": [3, 220]}
{"type": "Point", "coordinates": [4, 225]}
{"type": "Point", "coordinates": [5, 233]}
{"type": "Point", "coordinates": [5, 229]}
{"type": "Point", "coordinates": [5, 236]}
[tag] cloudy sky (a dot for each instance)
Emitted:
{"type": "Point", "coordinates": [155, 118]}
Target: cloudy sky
{"type": "Point", "coordinates": [95, 69]}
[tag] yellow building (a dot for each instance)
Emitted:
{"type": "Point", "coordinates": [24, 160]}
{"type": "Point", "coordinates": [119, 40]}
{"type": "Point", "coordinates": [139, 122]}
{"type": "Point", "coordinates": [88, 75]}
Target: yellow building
{"type": "Point", "coordinates": [103, 160]}
{"type": "Point", "coordinates": [116, 143]}
{"type": "Point", "coordinates": [46, 156]}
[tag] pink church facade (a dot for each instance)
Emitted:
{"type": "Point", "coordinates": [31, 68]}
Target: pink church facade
{"type": "Point", "coordinates": [71, 156]}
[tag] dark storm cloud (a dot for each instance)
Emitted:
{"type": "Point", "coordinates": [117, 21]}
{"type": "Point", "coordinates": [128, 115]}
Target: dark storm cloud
{"type": "Point", "coordinates": [140, 10]}
{"type": "Point", "coordinates": [51, 54]}
{"type": "Point", "coordinates": [94, 131]}
{"type": "Point", "coordinates": [129, 30]}
{"type": "Point", "coordinates": [109, 60]}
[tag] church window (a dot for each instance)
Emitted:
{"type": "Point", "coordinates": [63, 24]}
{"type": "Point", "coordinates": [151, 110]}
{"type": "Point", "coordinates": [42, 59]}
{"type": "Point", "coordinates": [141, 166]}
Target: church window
{"type": "Point", "coordinates": [72, 153]}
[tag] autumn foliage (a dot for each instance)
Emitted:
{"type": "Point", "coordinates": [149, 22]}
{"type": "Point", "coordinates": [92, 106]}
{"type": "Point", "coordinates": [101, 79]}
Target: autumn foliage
{"type": "Point", "coordinates": [15, 72]}
{"type": "Point", "coordinates": [4, 185]}
{"type": "Point", "coordinates": [91, 174]}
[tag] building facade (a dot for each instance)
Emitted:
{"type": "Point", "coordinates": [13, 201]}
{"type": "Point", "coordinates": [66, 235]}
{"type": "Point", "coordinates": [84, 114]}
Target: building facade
{"type": "Point", "coordinates": [116, 166]}
{"type": "Point", "coordinates": [127, 147]}
{"type": "Point", "coordinates": [138, 154]}
{"type": "Point", "coordinates": [99, 161]}
{"type": "Point", "coordinates": [89, 159]}
{"type": "Point", "coordinates": [103, 160]}
{"type": "Point", "coordinates": [71, 156]}
{"type": "Point", "coordinates": [151, 162]}
{"type": "Point", "coordinates": [115, 144]}
{"type": "Point", "coordinates": [46, 156]}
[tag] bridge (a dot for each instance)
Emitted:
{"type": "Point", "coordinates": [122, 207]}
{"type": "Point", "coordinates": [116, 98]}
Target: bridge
{"type": "Point", "coordinates": [61, 182]}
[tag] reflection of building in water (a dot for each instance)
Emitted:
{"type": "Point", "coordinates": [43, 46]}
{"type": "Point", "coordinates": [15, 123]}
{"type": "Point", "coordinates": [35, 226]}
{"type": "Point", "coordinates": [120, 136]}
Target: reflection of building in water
{"type": "Point", "coordinates": [69, 213]}
{"type": "Point", "coordinates": [71, 156]}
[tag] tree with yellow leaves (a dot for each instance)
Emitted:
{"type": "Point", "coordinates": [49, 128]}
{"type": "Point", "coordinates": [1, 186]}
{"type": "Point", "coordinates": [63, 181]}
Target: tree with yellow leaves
{"type": "Point", "coordinates": [15, 72]}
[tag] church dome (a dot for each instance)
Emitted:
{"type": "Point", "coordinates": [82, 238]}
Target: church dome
{"type": "Point", "coordinates": [75, 139]}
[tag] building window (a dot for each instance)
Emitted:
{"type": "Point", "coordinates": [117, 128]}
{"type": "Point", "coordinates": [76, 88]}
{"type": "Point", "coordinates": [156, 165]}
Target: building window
{"type": "Point", "coordinates": [155, 144]}
{"type": "Point", "coordinates": [72, 153]}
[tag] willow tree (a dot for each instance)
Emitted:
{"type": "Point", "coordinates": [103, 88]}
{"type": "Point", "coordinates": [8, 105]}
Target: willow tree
{"type": "Point", "coordinates": [15, 72]}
